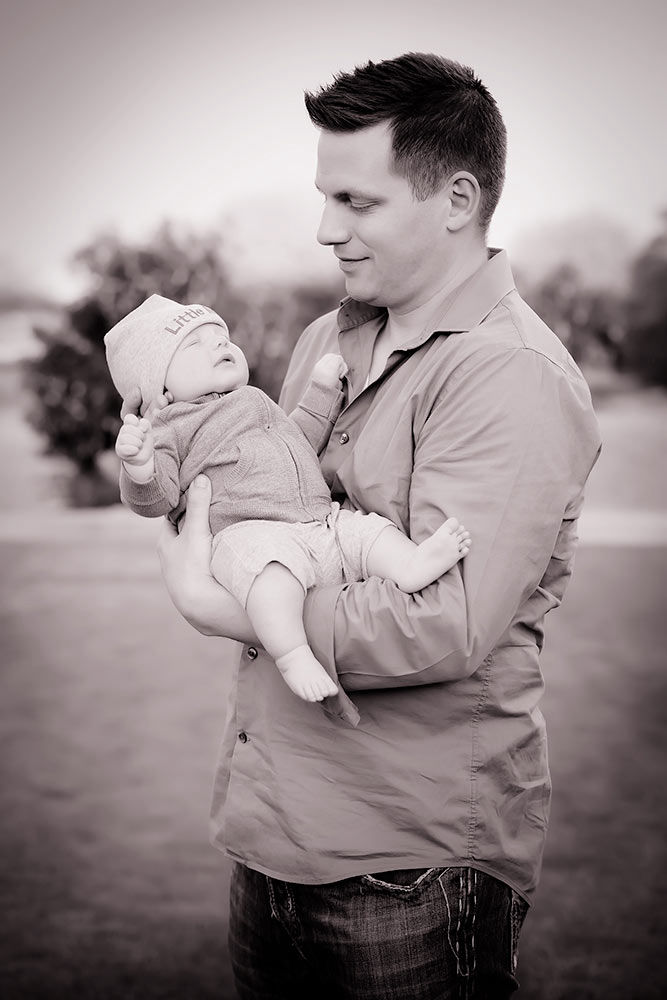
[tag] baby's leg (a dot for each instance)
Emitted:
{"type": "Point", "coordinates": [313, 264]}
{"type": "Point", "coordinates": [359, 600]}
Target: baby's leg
{"type": "Point", "coordinates": [275, 608]}
{"type": "Point", "coordinates": [396, 557]}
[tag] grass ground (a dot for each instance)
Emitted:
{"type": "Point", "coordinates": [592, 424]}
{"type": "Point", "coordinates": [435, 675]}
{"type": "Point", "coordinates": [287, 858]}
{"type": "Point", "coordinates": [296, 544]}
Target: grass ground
{"type": "Point", "coordinates": [110, 712]}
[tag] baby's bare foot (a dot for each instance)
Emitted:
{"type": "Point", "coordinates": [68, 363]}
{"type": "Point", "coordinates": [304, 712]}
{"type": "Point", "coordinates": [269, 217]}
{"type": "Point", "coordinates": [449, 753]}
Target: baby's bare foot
{"type": "Point", "coordinates": [434, 556]}
{"type": "Point", "coordinates": [454, 539]}
{"type": "Point", "coordinates": [305, 675]}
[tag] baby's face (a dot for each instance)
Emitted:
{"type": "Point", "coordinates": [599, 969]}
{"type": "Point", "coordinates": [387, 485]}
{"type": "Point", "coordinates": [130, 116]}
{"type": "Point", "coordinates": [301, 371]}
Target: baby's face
{"type": "Point", "coordinates": [206, 361]}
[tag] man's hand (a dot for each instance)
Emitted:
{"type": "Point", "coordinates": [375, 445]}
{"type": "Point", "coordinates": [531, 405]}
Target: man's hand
{"type": "Point", "coordinates": [186, 567]}
{"type": "Point", "coordinates": [133, 403]}
{"type": "Point", "coordinates": [329, 370]}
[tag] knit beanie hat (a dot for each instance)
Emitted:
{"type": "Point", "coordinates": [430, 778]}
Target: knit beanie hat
{"type": "Point", "coordinates": [140, 347]}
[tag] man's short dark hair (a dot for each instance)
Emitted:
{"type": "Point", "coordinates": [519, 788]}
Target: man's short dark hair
{"type": "Point", "coordinates": [442, 119]}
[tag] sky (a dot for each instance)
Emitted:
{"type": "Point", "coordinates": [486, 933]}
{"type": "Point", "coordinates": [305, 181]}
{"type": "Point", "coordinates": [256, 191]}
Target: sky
{"type": "Point", "coordinates": [118, 115]}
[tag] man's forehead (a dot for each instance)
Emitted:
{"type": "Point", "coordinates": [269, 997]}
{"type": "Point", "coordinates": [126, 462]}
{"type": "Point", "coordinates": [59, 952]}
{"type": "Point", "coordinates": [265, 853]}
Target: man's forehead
{"type": "Point", "coordinates": [354, 162]}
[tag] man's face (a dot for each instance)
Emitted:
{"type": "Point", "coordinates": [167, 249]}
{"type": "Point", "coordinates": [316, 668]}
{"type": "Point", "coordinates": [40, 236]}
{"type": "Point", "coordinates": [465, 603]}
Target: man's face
{"type": "Point", "coordinates": [205, 361]}
{"type": "Point", "coordinates": [392, 248]}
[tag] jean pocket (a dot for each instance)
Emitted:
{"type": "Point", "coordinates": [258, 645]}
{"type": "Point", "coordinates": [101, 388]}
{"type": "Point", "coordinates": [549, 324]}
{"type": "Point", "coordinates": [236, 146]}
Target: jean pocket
{"type": "Point", "coordinates": [402, 880]}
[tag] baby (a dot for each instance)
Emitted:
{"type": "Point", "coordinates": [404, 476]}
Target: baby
{"type": "Point", "coordinates": [276, 531]}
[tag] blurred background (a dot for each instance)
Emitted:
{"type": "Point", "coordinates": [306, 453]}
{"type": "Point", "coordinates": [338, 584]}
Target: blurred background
{"type": "Point", "coordinates": [157, 146]}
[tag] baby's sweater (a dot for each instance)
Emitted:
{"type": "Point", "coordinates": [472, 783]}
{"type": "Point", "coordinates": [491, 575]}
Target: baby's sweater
{"type": "Point", "coordinates": [262, 463]}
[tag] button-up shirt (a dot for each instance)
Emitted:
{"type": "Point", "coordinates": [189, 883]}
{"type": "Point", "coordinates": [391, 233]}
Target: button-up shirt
{"type": "Point", "coordinates": [434, 752]}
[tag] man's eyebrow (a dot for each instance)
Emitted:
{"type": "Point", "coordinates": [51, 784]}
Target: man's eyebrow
{"type": "Point", "coordinates": [350, 193]}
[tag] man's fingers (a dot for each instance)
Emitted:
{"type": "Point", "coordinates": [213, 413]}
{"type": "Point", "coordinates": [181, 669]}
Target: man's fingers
{"type": "Point", "coordinates": [131, 420]}
{"type": "Point", "coordinates": [131, 403]}
{"type": "Point", "coordinates": [199, 501]}
{"type": "Point", "coordinates": [158, 404]}
{"type": "Point", "coordinates": [168, 531]}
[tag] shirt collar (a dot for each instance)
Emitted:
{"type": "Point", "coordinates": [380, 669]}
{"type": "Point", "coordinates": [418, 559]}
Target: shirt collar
{"type": "Point", "coordinates": [464, 309]}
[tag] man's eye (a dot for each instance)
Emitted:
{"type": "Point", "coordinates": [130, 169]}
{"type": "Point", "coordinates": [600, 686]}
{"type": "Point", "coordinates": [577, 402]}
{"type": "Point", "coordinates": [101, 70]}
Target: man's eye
{"type": "Point", "coordinates": [361, 206]}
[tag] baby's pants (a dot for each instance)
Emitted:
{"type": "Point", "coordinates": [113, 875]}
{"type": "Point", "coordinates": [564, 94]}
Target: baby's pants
{"type": "Point", "coordinates": [318, 553]}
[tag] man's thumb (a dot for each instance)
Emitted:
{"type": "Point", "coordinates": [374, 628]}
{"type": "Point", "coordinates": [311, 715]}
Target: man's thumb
{"type": "Point", "coordinates": [199, 500]}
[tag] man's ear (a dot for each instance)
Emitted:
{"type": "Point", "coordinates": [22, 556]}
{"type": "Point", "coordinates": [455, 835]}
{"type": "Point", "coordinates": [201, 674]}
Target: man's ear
{"type": "Point", "coordinates": [464, 195]}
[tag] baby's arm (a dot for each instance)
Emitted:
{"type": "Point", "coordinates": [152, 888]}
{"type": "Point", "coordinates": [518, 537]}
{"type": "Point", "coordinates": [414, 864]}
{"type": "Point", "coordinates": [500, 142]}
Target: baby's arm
{"type": "Point", "coordinates": [318, 409]}
{"type": "Point", "coordinates": [149, 479]}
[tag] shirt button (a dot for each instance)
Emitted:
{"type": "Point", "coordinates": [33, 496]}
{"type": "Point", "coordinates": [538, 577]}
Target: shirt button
{"type": "Point", "coordinates": [252, 653]}
{"type": "Point", "coordinates": [344, 438]}
{"type": "Point", "coordinates": [243, 737]}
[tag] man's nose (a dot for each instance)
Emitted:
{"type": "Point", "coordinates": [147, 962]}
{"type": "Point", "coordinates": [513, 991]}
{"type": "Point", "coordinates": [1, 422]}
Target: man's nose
{"type": "Point", "coordinates": [333, 227]}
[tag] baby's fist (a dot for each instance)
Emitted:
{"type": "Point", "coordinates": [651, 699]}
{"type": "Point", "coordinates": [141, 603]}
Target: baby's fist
{"type": "Point", "coordinates": [329, 370]}
{"type": "Point", "coordinates": [134, 444]}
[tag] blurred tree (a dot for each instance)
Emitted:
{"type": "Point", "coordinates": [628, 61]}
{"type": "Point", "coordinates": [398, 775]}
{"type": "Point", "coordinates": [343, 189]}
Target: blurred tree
{"type": "Point", "coordinates": [645, 346]}
{"type": "Point", "coordinates": [271, 324]}
{"type": "Point", "coordinates": [75, 405]}
{"type": "Point", "coordinates": [589, 321]}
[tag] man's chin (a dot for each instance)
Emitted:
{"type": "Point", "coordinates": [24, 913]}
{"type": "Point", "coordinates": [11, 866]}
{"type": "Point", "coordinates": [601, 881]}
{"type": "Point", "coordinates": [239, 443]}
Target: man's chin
{"type": "Point", "coordinates": [360, 291]}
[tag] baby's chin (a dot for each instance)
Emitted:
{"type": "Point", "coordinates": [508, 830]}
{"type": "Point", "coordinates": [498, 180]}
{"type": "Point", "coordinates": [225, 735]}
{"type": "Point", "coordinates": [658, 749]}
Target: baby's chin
{"type": "Point", "coordinates": [228, 385]}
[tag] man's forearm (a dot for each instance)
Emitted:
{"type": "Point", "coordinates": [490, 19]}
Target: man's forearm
{"type": "Point", "coordinates": [212, 610]}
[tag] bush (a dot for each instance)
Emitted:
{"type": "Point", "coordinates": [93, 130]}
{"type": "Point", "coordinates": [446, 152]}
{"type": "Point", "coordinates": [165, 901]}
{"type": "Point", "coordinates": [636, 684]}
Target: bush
{"type": "Point", "coordinates": [75, 403]}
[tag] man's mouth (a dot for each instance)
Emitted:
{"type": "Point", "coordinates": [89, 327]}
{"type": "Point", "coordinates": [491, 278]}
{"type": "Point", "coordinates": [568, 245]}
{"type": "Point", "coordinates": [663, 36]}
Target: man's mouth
{"type": "Point", "coordinates": [348, 263]}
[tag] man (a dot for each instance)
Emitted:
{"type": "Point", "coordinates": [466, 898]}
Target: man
{"type": "Point", "coordinates": [388, 845]}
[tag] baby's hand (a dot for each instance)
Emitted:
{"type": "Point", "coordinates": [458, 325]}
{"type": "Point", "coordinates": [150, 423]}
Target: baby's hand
{"type": "Point", "coordinates": [329, 370]}
{"type": "Point", "coordinates": [134, 444]}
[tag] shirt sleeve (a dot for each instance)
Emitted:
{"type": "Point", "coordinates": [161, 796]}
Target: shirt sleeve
{"type": "Point", "coordinates": [317, 412]}
{"type": "Point", "coordinates": [499, 451]}
{"type": "Point", "coordinates": [161, 493]}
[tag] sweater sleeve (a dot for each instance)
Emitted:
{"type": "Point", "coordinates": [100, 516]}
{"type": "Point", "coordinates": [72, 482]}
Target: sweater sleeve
{"type": "Point", "coordinates": [161, 493]}
{"type": "Point", "coordinates": [317, 412]}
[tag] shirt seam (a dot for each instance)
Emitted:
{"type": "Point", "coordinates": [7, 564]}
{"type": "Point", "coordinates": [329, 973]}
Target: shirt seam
{"type": "Point", "coordinates": [474, 759]}
{"type": "Point", "coordinates": [530, 347]}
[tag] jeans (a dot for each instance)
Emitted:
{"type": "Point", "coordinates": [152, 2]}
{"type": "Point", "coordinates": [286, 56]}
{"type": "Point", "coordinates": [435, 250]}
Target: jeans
{"type": "Point", "coordinates": [423, 934]}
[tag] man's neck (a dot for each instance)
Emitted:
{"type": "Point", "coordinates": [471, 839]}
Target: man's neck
{"type": "Point", "coordinates": [405, 324]}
